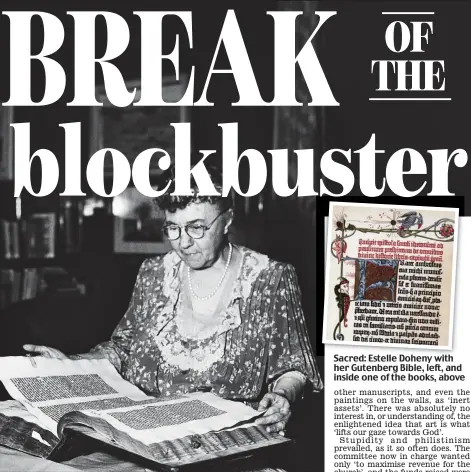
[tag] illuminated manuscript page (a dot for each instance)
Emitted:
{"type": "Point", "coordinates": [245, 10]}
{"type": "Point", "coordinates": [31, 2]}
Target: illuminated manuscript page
{"type": "Point", "coordinates": [390, 275]}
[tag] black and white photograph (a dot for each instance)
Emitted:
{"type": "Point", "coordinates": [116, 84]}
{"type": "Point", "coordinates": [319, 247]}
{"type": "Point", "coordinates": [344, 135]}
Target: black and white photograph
{"type": "Point", "coordinates": [138, 224]}
{"type": "Point", "coordinates": [131, 129]}
{"type": "Point", "coordinates": [223, 228]}
{"type": "Point", "coordinates": [6, 144]}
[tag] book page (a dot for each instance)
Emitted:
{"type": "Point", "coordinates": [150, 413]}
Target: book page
{"type": "Point", "coordinates": [16, 409]}
{"type": "Point", "coordinates": [197, 413]}
{"type": "Point", "coordinates": [390, 275]}
{"type": "Point", "coordinates": [51, 388]}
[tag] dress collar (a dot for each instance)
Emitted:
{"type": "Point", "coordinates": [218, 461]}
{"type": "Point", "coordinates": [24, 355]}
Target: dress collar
{"type": "Point", "coordinates": [252, 264]}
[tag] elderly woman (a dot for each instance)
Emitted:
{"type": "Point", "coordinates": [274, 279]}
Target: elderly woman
{"type": "Point", "coordinates": [213, 316]}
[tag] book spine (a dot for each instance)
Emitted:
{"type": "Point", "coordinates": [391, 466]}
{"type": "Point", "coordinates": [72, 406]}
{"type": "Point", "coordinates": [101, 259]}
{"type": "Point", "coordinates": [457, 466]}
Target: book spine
{"type": "Point", "coordinates": [11, 239]}
{"type": "Point", "coordinates": [16, 287]}
{"type": "Point", "coordinates": [30, 283]}
{"type": "Point", "coordinates": [7, 278]}
{"type": "Point", "coordinates": [71, 226]}
{"type": "Point", "coordinates": [40, 236]}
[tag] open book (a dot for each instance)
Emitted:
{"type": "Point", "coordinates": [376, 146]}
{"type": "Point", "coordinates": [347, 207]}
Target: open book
{"type": "Point", "coordinates": [89, 398]}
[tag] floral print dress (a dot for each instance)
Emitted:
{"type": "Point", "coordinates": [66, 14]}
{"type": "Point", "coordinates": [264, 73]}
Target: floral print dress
{"type": "Point", "coordinates": [256, 338]}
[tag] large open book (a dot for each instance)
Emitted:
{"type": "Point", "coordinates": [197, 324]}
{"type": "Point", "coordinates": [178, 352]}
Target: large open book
{"type": "Point", "coordinates": [89, 399]}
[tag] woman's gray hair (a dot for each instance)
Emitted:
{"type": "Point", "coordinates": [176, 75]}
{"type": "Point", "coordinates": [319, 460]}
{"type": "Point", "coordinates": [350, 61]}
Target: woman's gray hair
{"type": "Point", "coordinates": [171, 203]}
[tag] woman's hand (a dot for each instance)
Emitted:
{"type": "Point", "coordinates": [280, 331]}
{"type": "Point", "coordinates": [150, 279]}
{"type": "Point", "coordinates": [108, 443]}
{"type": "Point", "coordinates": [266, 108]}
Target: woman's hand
{"type": "Point", "coordinates": [45, 351]}
{"type": "Point", "coordinates": [278, 413]}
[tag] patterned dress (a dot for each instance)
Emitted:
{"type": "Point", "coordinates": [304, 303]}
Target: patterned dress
{"type": "Point", "coordinates": [259, 335]}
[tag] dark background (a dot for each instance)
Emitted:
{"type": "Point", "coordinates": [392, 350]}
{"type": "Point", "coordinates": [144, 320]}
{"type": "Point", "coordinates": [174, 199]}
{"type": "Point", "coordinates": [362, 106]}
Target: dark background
{"type": "Point", "coordinates": [111, 276]}
{"type": "Point", "coordinates": [346, 45]}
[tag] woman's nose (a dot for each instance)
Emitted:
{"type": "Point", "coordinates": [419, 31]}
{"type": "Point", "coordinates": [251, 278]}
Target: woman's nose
{"type": "Point", "coordinates": [185, 240]}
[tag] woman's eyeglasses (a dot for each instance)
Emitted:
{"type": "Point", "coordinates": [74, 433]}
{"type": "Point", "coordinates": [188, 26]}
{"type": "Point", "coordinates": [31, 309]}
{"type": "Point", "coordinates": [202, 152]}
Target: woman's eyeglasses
{"type": "Point", "coordinates": [194, 230]}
